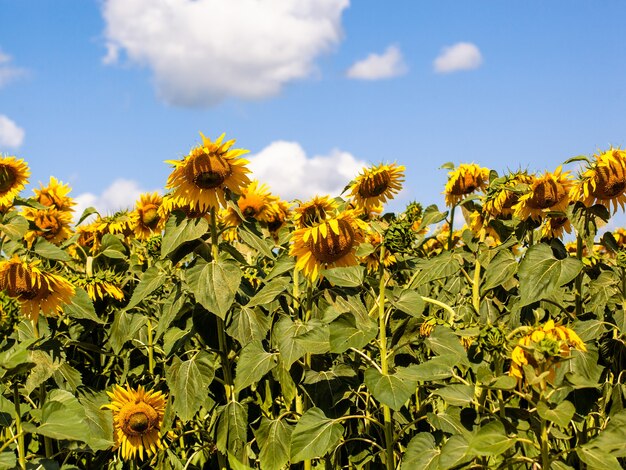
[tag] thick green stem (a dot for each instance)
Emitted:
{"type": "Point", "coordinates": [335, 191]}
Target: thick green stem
{"type": "Point", "coordinates": [21, 449]}
{"type": "Point", "coordinates": [305, 405]}
{"type": "Point", "coordinates": [450, 235]}
{"type": "Point", "coordinates": [476, 282]}
{"type": "Point", "coordinates": [579, 278]}
{"type": "Point", "coordinates": [545, 449]}
{"type": "Point", "coordinates": [150, 348]}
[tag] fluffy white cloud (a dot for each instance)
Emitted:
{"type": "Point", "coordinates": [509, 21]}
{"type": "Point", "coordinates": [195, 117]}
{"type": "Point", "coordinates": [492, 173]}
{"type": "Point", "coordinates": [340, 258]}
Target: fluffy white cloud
{"type": "Point", "coordinates": [290, 174]}
{"type": "Point", "coordinates": [460, 56]}
{"type": "Point", "coordinates": [121, 194]}
{"type": "Point", "coordinates": [11, 135]}
{"type": "Point", "coordinates": [378, 66]}
{"type": "Point", "coordinates": [7, 71]}
{"type": "Point", "coordinates": [202, 51]}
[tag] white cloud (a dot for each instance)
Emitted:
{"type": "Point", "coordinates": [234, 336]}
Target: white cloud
{"type": "Point", "coordinates": [7, 71]}
{"type": "Point", "coordinates": [460, 56]}
{"type": "Point", "coordinates": [201, 51]}
{"type": "Point", "coordinates": [121, 194]}
{"type": "Point", "coordinates": [11, 135]}
{"type": "Point", "coordinates": [378, 66]}
{"type": "Point", "coordinates": [290, 174]}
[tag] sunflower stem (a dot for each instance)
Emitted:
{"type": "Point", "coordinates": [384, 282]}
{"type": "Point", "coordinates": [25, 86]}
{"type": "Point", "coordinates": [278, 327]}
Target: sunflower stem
{"type": "Point", "coordinates": [579, 277]}
{"type": "Point", "coordinates": [305, 405]}
{"type": "Point", "coordinates": [150, 348]}
{"type": "Point", "coordinates": [476, 282]}
{"type": "Point", "coordinates": [296, 288]}
{"type": "Point", "coordinates": [21, 448]}
{"type": "Point", "coordinates": [450, 247]}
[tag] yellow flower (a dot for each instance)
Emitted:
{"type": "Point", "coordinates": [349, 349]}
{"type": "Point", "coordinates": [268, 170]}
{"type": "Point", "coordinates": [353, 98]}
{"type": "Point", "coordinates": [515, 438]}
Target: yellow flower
{"type": "Point", "coordinates": [330, 243]}
{"type": "Point", "coordinates": [55, 195]}
{"type": "Point", "coordinates": [279, 211]}
{"type": "Point", "coordinates": [99, 289]}
{"type": "Point", "coordinates": [547, 193]}
{"type": "Point", "coordinates": [52, 224]}
{"type": "Point", "coordinates": [313, 212]}
{"type": "Point", "coordinates": [14, 175]}
{"type": "Point", "coordinates": [145, 219]}
{"type": "Point", "coordinates": [372, 261]}
{"type": "Point", "coordinates": [172, 203]}
{"type": "Point", "coordinates": [604, 181]}
{"type": "Point", "coordinates": [210, 169]}
{"type": "Point", "coordinates": [255, 201]}
{"type": "Point", "coordinates": [464, 180]}
{"type": "Point", "coordinates": [230, 220]}
{"type": "Point", "coordinates": [375, 185]}
{"type": "Point", "coordinates": [502, 196]}
{"type": "Point", "coordinates": [554, 227]}
{"type": "Point", "coordinates": [137, 420]}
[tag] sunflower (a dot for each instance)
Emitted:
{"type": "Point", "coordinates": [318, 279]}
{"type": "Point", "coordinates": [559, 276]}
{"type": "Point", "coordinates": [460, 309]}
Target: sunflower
{"type": "Point", "coordinates": [553, 227]}
{"type": "Point", "coordinates": [172, 203]}
{"type": "Point", "coordinates": [279, 211]}
{"type": "Point", "coordinates": [255, 201]}
{"type": "Point", "coordinates": [372, 261]}
{"type": "Point", "coordinates": [55, 195]}
{"type": "Point", "coordinates": [375, 185]}
{"type": "Point", "coordinates": [314, 211]}
{"type": "Point", "coordinates": [547, 193]}
{"type": "Point", "coordinates": [330, 243]}
{"type": "Point", "coordinates": [480, 227]}
{"type": "Point", "coordinates": [137, 420]}
{"type": "Point", "coordinates": [145, 219]}
{"type": "Point", "coordinates": [604, 181]}
{"type": "Point", "coordinates": [504, 194]}
{"type": "Point", "coordinates": [52, 224]}
{"type": "Point", "coordinates": [211, 168]}
{"type": "Point", "coordinates": [14, 175]}
{"type": "Point", "coordinates": [464, 180]}
{"type": "Point", "coordinates": [101, 286]}
{"type": "Point", "coordinates": [229, 220]}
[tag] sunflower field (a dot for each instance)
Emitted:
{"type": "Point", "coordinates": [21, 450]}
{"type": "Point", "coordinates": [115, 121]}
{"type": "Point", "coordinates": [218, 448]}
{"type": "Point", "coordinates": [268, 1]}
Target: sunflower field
{"type": "Point", "coordinates": [218, 326]}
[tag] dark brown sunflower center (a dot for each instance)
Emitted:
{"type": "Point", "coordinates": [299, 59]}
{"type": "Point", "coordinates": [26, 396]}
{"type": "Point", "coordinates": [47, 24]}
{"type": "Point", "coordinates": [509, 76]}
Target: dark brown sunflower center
{"type": "Point", "coordinates": [51, 225]}
{"type": "Point", "coordinates": [465, 184]}
{"type": "Point", "coordinates": [17, 282]}
{"type": "Point", "coordinates": [510, 199]}
{"type": "Point", "coordinates": [150, 216]}
{"type": "Point", "coordinates": [249, 211]}
{"type": "Point", "coordinates": [546, 194]}
{"type": "Point", "coordinates": [7, 178]}
{"type": "Point", "coordinates": [208, 171]}
{"type": "Point", "coordinates": [139, 422]}
{"type": "Point", "coordinates": [313, 215]}
{"type": "Point", "coordinates": [375, 185]}
{"type": "Point", "coordinates": [610, 182]}
{"type": "Point", "coordinates": [334, 246]}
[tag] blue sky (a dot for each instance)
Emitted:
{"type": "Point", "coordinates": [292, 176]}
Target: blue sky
{"type": "Point", "coordinates": [97, 91]}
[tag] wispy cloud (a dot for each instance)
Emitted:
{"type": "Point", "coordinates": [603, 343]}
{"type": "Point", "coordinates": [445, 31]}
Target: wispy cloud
{"type": "Point", "coordinates": [460, 56]}
{"type": "Point", "coordinates": [379, 66]}
{"type": "Point", "coordinates": [8, 72]}
{"type": "Point", "coordinates": [11, 135]}
{"type": "Point", "coordinates": [202, 51]}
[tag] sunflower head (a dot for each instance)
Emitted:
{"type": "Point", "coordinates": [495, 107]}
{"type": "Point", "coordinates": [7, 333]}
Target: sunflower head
{"type": "Point", "coordinates": [171, 203]}
{"type": "Point", "coordinates": [313, 212]}
{"type": "Point", "coordinates": [14, 175]}
{"type": "Point", "coordinates": [503, 193]}
{"type": "Point", "coordinates": [375, 185]}
{"type": "Point", "coordinates": [146, 219]}
{"type": "Point", "coordinates": [464, 180]}
{"type": "Point", "coordinates": [255, 201]}
{"type": "Point", "coordinates": [547, 193]}
{"type": "Point", "coordinates": [279, 211]}
{"type": "Point", "coordinates": [137, 420]}
{"type": "Point", "coordinates": [372, 261]}
{"type": "Point", "coordinates": [555, 226]}
{"type": "Point", "coordinates": [52, 224]}
{"type": "Point", "coordinates": [55, 195]}
{"type": "Point", "coordinates": [19, 279]}
{"type": "Point", "coordinates": [330, 243]}
{"type": "Point", "coordinates": [101, 285]}
{"type": "Point", "coordinates": [210, 169]}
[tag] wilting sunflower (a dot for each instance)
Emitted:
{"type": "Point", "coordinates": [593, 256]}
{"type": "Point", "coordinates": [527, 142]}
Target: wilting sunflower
{"type": "Point", "coordinates": [14, 175]}
{"type": "Point", "coordinates": [481, 228]}
{"type": "Point", "coordinates": [547, 193]}
{"type": "Point", "coordinates": [375, 185]}
{"type": "Point", "coordinates": [278, 214]}
{"type": "Point", "coordinates": [55, 195]}
{"type": "Point", "coordinates": [171, 203]}
{"type": "Point", "coordinates": [255, 201]}
{"type": "Point", "coordinates": [372, 261]}
{"type": "Point", "coordinates": [620, 237]}
{"type": "Point", "coordinates": [100, 286]}
{"type": "Point", "coordinates": [330, 243]}
{"type": "Point", "coordinates": [211, 168]}
{"type": "Point", "coordinates": [553, 227]}
{"type": "Point", "coordinates": [604, 181]}
{"type": "Point", "coordinates": [145, 219]}
{"type": "Point", "coordinates": [137, 420]}
{"type": "Point", "coordinates": [464, 180]}
{"type": "Point", "coordinates": [503, 193]}
{"type": "Point", "coordinates": [229, 220]}
{"type": "Point", "coordinates": [52, 224]}
{"type": "Point", "coordinates": [36, 291]}
{"type": "Point", "coordinates": [313, 212]}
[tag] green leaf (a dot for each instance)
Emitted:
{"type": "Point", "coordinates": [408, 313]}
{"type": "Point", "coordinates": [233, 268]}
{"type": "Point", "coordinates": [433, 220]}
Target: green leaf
{"type": "Point", "coordinates": [63, 417]}
{"type": "Point", "coordinates": [541, 274]}
{"type": "Point", "coordinates": [346, 333]}
{"type": "Point", "coordinates": [254, 362]}
{"type": "Point", "coordinates": [100, 421]}
{"type": "Point", "coordinates": [214, 285]}
{"type": "Point", "coordinates": [232, 429]}
{"type": "Point", "coordinates": [188, 382]}
{"type": "Point", "coordinates": [247, 235]}
{"type": "Point", "coordinates": [501, 268]}
{"type": "Point", "coordinates": [295, 339]}
{"type": "Point", "coordinates": [8, 459]}
{"type": "Point", "coordinates": [443, 342]}
{"type": "Point", "coordinates": [179, 229]}
{"type": "Point", "coordinates": [392, 390]}
{"type": "Point", "coordinates": [273, 437]}
{"type": "Point", "coordinates": [47, 250]}
{"type": "Point", "coordinates": [16, 227]}
{"type": "Point", "coordinates": [124, 328]}
{"type": "Point", "coordinates": [441, 266]}
{"type": "Point", "coordinates": [82, 308]}
{"type": "Point", "coordinates": [437, 368]}
{"type": "Point", "coordinates": [112, 247]}
{"type": "Point", "coordinates": [452, 452]}
{"type": "Point", "coordinates": [150, 281]}
{"type": "Point", "coordinates": [169, 311]}
{"type": "Point", "coordinates": [421, 453]}
{"type": "Point", "coordinates": [409, 302]}
{"type": "Point", "coordinates": [597, 459]}
{"type": "Point", "coordinates": [491, 440]}
{"type": "Point", "coordinates": [562, 414]}
{"type": "Point", "coordinates": [611, 440]}
{"type": "Point", "coordinates": [351, 276]}
{"type": "Point", "coordinates": [314, 436]}
{"type": "Point", "coordinates": [456, 394]}
{"type": "Point", "coordinates": [248, 324]}
{"type": "Point", "coordinates": [269, 292]}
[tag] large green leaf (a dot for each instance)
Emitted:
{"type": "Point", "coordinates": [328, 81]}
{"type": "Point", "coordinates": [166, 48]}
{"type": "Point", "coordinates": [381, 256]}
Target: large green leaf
{"type": "Point", "coordinates": [490, 440]}
{"type": "Point", "coordinates": [188, 382]}
{"type": "Point", "coordinates": [611, 440]}
{"type": "Point", "coordinates": [456, 394]}
{"type": "Point", "coordinates": [214, 285]}
{"type": "Point", "coordinates": [232, 429]}
{"type": "Point", "coordinates": [346, 333]}
{"type": "Point", "coordinates": [82, 307]}
{"type": "Point", "coordinates": [254, 362]}
{"type": "Point", "coordinates": [314, 436]}
{"type": "Point", "coordinates": [444, 265]}
{"type": "Point", "coordinates": [15, 228]}
{"type": "Point", "coordinates": [421, 453]}
{"type": "Point", "coordinates": [350, 276]}
{"type": "Point", "coordinates": [124, 328]}
{"type": "Point", "coordinates": [501, 268]}
{"type": "Point", "coordinates": [392, 390]}
{"type": "Point", "coordinates": [409, 302]}
{"type": "Point", "coordinates": [541, 274]}
{"type": "Point", "coordinates": [100, 421]}
{"type": "Point", "coordinates": [273, 437]}
{"type": "Point", "coordinates": [112, 247]}
{"type": "Point", "coordinates": [561, 414]}
{"type": "Point", "coordinates": [150, 281]}
{"type": "Point", "coordinates": [248, 324]}
{"type": "Point", "coordinates": [180, 229]}
{"type": "Point", "coordinates": [45, 249]}
{"type": "Point", "coordinates": [269, 292]}
{"type": "Point", "coordinates": [63, 417]}
{"type": "Point", "coordinates": [295, 339]}
{"type": "Point", "coordinates": [443, 341]}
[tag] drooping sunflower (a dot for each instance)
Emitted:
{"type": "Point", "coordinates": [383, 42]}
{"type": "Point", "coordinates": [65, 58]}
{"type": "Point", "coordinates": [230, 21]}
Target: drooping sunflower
{"type": "Point", "coordinates": [504, 193]}
{"type": "Point", "coordinates": [464, 180]}
{"type": "Point", "coordinates": [372, 261]}
{"type": "Point", "coordinates": [547, 193]}
{"type": "Point", "coordinates": [554, 227]}
{"type": "Point", "coordinates": [313, 212]}
{"type": "Point", "coordinates": [375, 185]}
{"type": "Point", "coordinates": [55, 195]}
{"type": "Point", "coordinates": [14, 175]}
{"type": "Point", "coordinates": [604, 181]}
{"type": "Point", "coordinates": [330, 243]}
{"type": "Point", "coordinates": [137, 420]}
{"type": "Point", "coordinates": [171, 203]}
{"type": "Point", "coordinates": [255, 201]}
{"type": "Point", "coordinates": [100, 286]}
{"type": "Point", "coordinates": [278, 214]}
{"type": "Point", "coordinates": [229, 221]}
{"type": "Point", "coordinates": [52, 224]}
{"type": "Point", "coordinates": [207, 172]}
{"type": "Point", "coordinates": [145, 219]}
